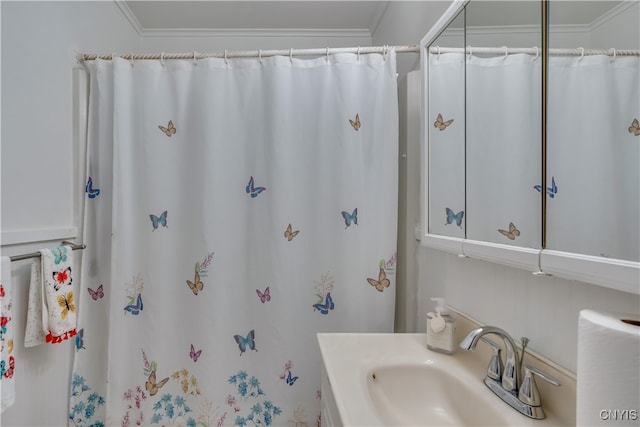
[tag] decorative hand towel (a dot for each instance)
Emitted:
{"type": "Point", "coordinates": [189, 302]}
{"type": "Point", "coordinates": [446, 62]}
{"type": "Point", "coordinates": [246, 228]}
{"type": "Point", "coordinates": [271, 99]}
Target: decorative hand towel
{"type": "Point", "coordinates": [7, 359]}
{"type": "Point", "coordinates": [52, 311]}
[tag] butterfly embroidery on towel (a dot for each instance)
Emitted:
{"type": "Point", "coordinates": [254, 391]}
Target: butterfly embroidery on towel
{"type": "Point", "coordinates": [252, 189]}
{"type": "Point", "coordinates": [159, 220]}
{"type": "Point", "coordinates": [97, 294]}
{"type": "Point", "coordinates": [80, 340]}
{"type": "Point", "coordinates": [350, 218]}
{"type": "Point", "coordinates": [289, 235]}
{"type": "Point", "coordinates": [169, 130]}
{"type": "Point", "coordinates": [61, 277]}
{"type": "Point", "coordinates": [59, 254]}
{"type": "Point", "coordinates": [551, 191]}
{"type": "Point", "coordinates": [441, 124]}
{"type": "Point", "coordinates": [92, 193]}
{"type": "Point", "coordinates": [7, 373]}
{"type": "Point", "coordinates": [264, 296]}
{"type": "Point", "coordinates": [328, 304]}
{"type": "Point", "coordinates": [451, 217]}
{"type": "Point", "coordinates": [291, 379]}
{"type": "Point", "coordinates": [135, 309]}
{"type": "Point", "coordinates": [512, 233]}
{"type": "Point", "coordinates": [151, 385]}
{"type": "Point", "coordinates": [197, 285]}
{"type": "Point", "coordinates": [243, 342]}
{"type": "Point", "coordinates": [355, 124]}
{"type": "Point", "coordinates": [635, 128]}
{"type": "Point", "coordinates": [382, 281]}
{"type": "Point", "coordinates": [193, 354]}
{"type": "Point", "coordinates": [66, 304]}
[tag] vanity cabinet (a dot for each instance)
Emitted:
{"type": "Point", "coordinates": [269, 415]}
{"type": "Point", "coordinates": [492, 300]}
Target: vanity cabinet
{"type": "Point", "coordinates": [330, 417]}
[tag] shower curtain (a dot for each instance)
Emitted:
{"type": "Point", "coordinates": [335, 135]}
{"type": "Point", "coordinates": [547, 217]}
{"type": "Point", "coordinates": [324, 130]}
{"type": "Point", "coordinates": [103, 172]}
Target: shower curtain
{"type": "Point", "coordinates": [235, 208]}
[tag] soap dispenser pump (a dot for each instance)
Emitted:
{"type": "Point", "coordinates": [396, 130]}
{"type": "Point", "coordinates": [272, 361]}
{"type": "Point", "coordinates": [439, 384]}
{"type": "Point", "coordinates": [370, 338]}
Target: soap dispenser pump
{"type": "Point", "coordinates": [441, 328]}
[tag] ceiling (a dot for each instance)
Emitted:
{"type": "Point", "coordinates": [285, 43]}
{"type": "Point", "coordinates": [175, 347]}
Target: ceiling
{"type": "Point", "coordinates": [258, 15]}
{"type": "Point", "coordinates": [334, 15]}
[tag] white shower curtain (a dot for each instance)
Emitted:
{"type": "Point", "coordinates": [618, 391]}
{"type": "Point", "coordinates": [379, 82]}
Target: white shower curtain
{"type": "Point", "coordinates": [234, 209]}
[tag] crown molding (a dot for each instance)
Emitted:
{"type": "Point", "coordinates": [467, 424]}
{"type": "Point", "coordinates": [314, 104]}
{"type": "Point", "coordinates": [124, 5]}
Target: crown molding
{"type": "Point", "coordinates": [612, 13]}
{"type": "Point", "coordinates": [254, 32]}
{"type": "Point", "coordinates": [244, 32]}
{"type": "Point", "coordinates": [128, 14]}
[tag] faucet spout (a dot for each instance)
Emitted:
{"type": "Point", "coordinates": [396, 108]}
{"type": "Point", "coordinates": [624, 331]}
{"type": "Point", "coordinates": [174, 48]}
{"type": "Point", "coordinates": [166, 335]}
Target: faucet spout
{"type": "Point", "coordinates": [511, 374]}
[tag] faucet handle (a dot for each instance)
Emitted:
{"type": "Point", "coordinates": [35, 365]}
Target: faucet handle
{"type": "Point", "coordinates": [495, 368]}
{"type": "Point", "coordinates": [528, 390]}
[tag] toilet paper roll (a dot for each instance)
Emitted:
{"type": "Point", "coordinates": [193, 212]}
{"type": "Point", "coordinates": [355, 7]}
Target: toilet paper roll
{"type": "Point", "coordinates": [608, 369]}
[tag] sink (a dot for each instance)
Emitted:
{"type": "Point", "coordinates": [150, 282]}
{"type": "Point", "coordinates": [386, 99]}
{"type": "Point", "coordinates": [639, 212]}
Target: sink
{"type": "Point", "coordinates": [394, 380]}
{"type": "Point", "coordinates": [427, 395]}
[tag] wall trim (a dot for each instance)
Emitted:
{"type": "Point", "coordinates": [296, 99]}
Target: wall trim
{"type": "Point", "coordinates": [33, 235]}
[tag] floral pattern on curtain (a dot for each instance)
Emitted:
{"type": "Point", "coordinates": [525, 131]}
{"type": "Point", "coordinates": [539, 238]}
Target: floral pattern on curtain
{"type": "Point", "coordinates": [235, 208]}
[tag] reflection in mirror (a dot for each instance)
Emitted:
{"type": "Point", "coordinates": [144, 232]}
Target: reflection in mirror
{"type": "Point", "coordinates": [446, 132]}
{"type": "Point", "coordinates": [504, 120]}
{"type": "Point", "coordinates": [593, 140]}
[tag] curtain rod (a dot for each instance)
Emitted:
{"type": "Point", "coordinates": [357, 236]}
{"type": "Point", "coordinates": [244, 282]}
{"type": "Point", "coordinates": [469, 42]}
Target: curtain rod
{"type": "Point", "coordinates": [37, 254]}
{"type": "Point", "coordinates": [534, 51]}
{"type": "Point", "coordinates": [253, 53]}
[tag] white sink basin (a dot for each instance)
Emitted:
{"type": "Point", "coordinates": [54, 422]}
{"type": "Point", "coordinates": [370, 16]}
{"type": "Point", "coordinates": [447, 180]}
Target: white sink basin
{"type": "Point", "coordinates": [394, 380]}
{"type": "Point", "coordinates": [427, 395]}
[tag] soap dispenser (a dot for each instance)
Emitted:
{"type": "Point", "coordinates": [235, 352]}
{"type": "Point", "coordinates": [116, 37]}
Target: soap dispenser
{"type": "Point", "coordinates": [441, 328]}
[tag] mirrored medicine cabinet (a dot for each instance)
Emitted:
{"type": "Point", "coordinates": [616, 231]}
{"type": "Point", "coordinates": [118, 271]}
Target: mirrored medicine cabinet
{"type": "Point", "coordinates": [531, 142]}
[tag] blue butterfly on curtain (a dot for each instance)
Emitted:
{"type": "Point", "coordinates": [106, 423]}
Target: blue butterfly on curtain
{"type": "Point", "coordinates": [159, 220]}
{"type": "Point", "coordinates": [243, 342]}
{"type": "Point", "coordinates": [80, 340]}
{"type": "Point", "coordinates": [328, 304]}
{"type": "Point", "coordinates": [91, 192]}
{"type": "Point", "coordinates": [452, 216]}
{"type": "Point", "coordinates": [252, 189]}
{"type": "Point", "coordinates": [291, 379]}
{"type": "Point", "coordinates": [350, 218]}
{"type": "Point", "coordinates": [135, 309]}
{"type": "Point", "coordinates": [551, 191]}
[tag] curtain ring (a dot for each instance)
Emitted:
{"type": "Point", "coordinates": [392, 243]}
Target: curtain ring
{"type": "Point", "coordinates": [470, 52]}
{"type": "Point", "coordinates": [614, 55]}
{"type": "Point", "coordinates": [358, 53]}
{"type": "Point", "coordinates": [260, 55]}
{"type": "Point", "coordinates": [438, 47]}
{"type": "Point", "coordinates": [506, 52]}
{"type": "Point", "coordinates": [327, 57]}
{"type": "Point", "coordinates": [131, 54]}
{"type": "Point", "coordinates": [537, 53]}
{"type": "Point", "coordinates": [291, 55]}
{"type": "Point", "coordinates": [162, 58]}
{"type": "Point", "coordinates": [226, 61]}
{"type": "Point", "coordinates": [581, 54]}
{"type": "Point", "coordinates": [195, 60]}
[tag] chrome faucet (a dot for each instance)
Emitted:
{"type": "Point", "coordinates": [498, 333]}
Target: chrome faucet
{"type": "Point", "coordinates": [522, 395]}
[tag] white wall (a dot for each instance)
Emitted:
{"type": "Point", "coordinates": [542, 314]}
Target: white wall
{"type": "Point", "coordinates": [545, 309]}
{"type": "Point", "coordinates": [39, 44]}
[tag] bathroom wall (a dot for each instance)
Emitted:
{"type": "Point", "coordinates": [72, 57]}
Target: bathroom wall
{"type": "Point", "coordinates": [39, 43]}
{"type": "Point", "coordinates": [40, 191]}
{"type": "Point", "coordinates": [545, 309]}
